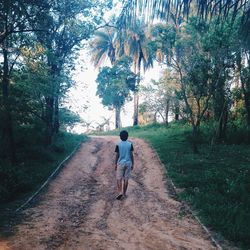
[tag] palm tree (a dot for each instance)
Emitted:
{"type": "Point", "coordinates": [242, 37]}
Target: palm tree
{"type": "Point", "coordinates": [103, 46]}
{"type": "Point", "coordinates": [136, 46]}
{"type": "Point", "coordinates": [111, 43]}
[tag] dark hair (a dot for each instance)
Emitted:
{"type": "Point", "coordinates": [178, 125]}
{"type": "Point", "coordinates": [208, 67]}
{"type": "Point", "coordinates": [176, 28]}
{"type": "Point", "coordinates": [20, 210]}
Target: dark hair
{"type": "Point", "coordinates": [124, 135]}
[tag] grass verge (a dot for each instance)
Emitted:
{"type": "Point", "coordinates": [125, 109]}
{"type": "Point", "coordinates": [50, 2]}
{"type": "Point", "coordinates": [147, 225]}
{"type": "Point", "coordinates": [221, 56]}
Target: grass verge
{"type": "Point", "coordinates": [215, 182]}
{"type": "Point", "coordinates": [36, 164]}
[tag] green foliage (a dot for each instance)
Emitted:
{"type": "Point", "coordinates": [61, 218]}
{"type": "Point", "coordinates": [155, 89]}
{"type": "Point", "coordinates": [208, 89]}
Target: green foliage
{"type": "Point", "coordinates": [207, 59]}
{"type": "Point", "coordinates": [40, 41]}
{"type": "Point", "coordinates": [69, 118]}
{"type": "Point", "coordinates": [114, 84]}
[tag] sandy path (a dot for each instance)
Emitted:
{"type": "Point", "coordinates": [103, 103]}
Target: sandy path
{"type": "Point", "coordinates": [79, 211]}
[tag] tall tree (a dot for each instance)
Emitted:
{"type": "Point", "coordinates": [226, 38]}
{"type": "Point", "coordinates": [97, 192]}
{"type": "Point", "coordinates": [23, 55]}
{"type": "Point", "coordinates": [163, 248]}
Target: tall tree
{"type": "Point", "coordinates": [17, 18]}
{"type": "Point", "coordinates": [137, 46]}
{"type": "Point", "coordinates": [114, 85]}
{"type": "Point", "coordinates": [243, 63]}
{"type": "Point", "coordinates": [68, 24]}
{"type": "Point", "coordinates": [218, 42]}
{"type": "Point", "coordinates": [183, 52]}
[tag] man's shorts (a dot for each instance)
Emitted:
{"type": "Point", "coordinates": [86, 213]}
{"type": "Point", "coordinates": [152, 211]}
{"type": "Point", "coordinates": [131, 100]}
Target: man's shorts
{"type": "Point", "coordinates": [123, 172]}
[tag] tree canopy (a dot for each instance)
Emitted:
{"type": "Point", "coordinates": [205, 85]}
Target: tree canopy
{"type": "Point", "coordinates": [115, 84]}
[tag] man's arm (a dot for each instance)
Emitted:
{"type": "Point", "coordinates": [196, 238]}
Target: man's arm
{"type": "Point", "coordinates": [117, 156]}
{"type": "Point", "coordinates": [132, 159]}
{"type": "Point", "coordinates": [116, 160]}
{"type": "Point", "coordinates": [132, 155]}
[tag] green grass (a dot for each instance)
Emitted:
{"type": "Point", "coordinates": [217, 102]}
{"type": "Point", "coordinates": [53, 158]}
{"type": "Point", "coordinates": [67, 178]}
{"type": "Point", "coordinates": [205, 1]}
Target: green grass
{"type": "Point", "coordinates": [35, 165]}
{"type": "Point", "coordinates": [215, 182]}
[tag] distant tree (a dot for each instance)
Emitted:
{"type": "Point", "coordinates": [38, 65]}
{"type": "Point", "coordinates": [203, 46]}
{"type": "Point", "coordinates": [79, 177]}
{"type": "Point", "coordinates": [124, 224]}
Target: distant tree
{"type": "Point", "coordinates": [104, 125]}
{"type": "Point", "coordinates": [69, 118]}
{"type": "Point", "coordinates": [114, 85]}
{"type": "Point", "coordinates": [160, 96]}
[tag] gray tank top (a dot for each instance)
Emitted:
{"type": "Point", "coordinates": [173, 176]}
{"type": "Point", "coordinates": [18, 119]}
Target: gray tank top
{"type": "Point", "coordinates": [124, 149]}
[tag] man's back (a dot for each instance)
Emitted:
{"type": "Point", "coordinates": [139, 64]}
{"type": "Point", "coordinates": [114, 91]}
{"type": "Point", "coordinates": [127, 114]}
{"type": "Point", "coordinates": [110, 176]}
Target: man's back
{"type": "Point", "coordinates": [124, 149]}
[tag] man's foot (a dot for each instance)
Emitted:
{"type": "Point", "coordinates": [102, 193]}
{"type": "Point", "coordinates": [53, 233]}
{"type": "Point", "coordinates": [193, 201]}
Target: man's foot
{"type": "Point", "coordinates": [119, 196]}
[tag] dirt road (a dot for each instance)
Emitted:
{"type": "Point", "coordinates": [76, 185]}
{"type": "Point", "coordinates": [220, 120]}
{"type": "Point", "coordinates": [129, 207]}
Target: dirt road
{"type": "Point", "coordinates": [78, 211]}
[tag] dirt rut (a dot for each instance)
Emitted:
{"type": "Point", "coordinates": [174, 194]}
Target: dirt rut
{"type": "Point", "coordinates": [79, 211]}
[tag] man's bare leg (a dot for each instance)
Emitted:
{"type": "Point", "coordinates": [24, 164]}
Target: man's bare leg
{"type": "Point", "coordinates": [125, 186]}
{"type": "Point", "coordinates": [119, 187]}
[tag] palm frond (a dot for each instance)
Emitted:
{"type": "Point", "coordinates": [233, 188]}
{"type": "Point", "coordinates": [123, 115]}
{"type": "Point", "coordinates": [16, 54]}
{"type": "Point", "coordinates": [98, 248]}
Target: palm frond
{"type": "Point", "coordinates": [103, 46]}
{"type": "Point", "coordinates": [163, 9]}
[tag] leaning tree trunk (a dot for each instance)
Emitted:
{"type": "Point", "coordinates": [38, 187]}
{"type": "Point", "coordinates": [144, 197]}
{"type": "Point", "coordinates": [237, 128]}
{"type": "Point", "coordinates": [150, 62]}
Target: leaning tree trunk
{"type": "Point", "coordinates": [117, 117]}
{"type": "Point", "coordinates": [220, 109]}
{"type": "Point", "coordinates": [222, 123]}
{"type": "Point", "coordinates": [7, 118]}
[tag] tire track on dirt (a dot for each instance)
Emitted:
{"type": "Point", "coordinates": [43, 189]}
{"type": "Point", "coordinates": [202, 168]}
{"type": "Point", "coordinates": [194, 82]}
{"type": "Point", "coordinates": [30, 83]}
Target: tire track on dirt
{"type": "Point", "coordinates": [79, 211]}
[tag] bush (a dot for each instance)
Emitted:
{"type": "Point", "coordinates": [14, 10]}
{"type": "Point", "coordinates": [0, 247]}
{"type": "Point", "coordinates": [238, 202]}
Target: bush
{"type": "Point", "coordinates": [13, 182]}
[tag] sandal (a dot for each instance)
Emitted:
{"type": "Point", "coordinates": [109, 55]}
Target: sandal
{"type": "Point", "coordinates": [119, 196]}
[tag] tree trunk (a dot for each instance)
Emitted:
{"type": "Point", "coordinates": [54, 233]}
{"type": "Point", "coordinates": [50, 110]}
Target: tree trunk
{"type": "Point", "coordinates": [56, 116]}
{"type": "Point", "coordinates": [136, 96]}
{"type": "Point", "coordinates": [195, 138]}
{"type": "Point", "coordinates": [49, 110]}
{"type": "Point", "coordinates": [222, 123]}
{"type": "Point", "coordinates": [136, 104]}
{"type": "Point", "coordinates": [245, 84]}
{"type": "Point", "coordinates": [117, 117]}
{"type": "Point", "coordinates": [167, 111]}
{"type": "Point", "coordinates": [7, 121]}
{"type": "Point", "coordinates": [247, 106]}
{"type": "Point", "coordinates": [155, 117]}
{"type": "Point", "coordinates": [246, 92]}
{"type": "Point", "coordinates": [220, 108]}
{"type": "Point", "coordinates": [176, 112]}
